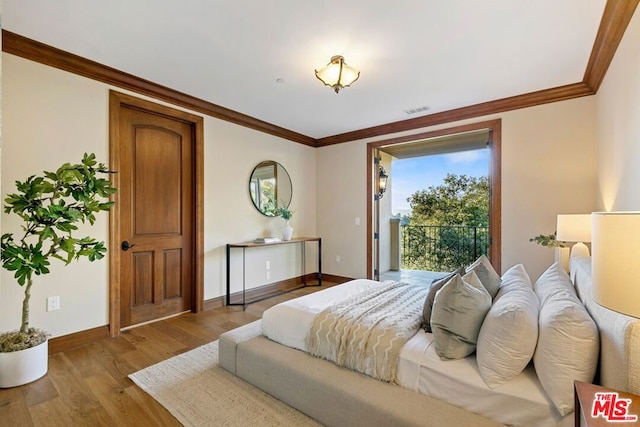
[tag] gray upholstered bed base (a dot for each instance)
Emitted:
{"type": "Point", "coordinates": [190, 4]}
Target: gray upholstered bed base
{"type": "Point", "coordinates": [332, 395]}
{"type": "Point", "coordinates": [337, 397]}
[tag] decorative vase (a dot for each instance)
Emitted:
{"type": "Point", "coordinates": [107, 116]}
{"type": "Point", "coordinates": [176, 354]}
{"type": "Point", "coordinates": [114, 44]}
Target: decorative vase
{"type": "Point", "coordinates": [24, 366]}
{"type": "Point", "coordinates": [561, 256]}
{"type": "Point", "coordinates": [287, 231]}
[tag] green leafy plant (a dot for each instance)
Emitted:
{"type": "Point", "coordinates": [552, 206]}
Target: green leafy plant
{"type": "Point", "coordinates": [51, 206]}
{"type": "Point", "coordinates": [547, 240]}
{"type": "Point", "coordinates": [285, 213]}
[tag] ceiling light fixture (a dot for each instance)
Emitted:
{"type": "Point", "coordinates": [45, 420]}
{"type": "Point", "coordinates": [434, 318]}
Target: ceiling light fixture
{"type": "Point", "coordinates": [337, 74]}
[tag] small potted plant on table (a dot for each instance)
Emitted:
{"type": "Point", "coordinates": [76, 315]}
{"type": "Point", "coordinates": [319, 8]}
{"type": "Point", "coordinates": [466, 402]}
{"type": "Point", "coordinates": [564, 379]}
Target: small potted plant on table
{"type": "Point", "coordinates": [286, 214]}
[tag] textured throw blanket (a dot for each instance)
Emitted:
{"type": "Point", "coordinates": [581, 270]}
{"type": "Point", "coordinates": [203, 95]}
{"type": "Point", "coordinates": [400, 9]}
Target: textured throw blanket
{"type": "Point", "coordinates": [366, 332]}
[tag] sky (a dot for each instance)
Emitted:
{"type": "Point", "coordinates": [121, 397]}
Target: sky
{"type": "Point", "coordinates": [420, 173]}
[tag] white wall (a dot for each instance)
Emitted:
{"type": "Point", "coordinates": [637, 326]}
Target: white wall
{"type": "Point", "coordinates": [341, 197]}
{"type": "Point", "coordinates": [618, 126]}
{"type": "Point", "coordinates": [52, 117]}
{"type": "Point", "coordinates": [44, 126]}
{"type": "Point", "coordinates": [231, 153]}
{"type": "Point", "coordinates": [548, 167]}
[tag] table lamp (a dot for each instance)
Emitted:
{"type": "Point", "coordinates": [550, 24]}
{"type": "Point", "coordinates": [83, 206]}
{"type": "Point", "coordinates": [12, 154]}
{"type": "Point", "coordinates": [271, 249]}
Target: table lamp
{"type": "Point", "coordinates": [616, 246]}
{"type": "Point", "coordinates": [575, 228]}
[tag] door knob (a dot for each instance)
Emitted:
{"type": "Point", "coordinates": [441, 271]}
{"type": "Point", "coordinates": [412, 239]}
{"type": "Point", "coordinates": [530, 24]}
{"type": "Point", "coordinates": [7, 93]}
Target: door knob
{"type": "Point", "coordinates": [126, 246]}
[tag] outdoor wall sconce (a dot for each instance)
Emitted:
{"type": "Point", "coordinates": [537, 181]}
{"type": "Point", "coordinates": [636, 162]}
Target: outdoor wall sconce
{"type": "Point", "coordinates": [382, 181]}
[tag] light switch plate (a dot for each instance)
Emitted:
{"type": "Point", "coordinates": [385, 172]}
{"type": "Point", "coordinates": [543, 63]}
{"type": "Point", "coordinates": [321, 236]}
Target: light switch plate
{"type": "Point", "coordinates": [53, 303]}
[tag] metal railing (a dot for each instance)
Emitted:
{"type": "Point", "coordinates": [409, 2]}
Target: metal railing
{"type": "Point", "coordinates": [441, 248]}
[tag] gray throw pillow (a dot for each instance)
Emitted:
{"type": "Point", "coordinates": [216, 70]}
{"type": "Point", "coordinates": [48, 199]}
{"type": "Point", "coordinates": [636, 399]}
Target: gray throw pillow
{"type": "Point", "coordinates": [487, 275]}
{"type": "Point", "coordinates": [436, 285]}
{"type": "Point", "coordinates": [458, 313]}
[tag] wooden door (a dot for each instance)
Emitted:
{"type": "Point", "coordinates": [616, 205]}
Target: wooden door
{"type": "Point", "coordinates": [156, 197]}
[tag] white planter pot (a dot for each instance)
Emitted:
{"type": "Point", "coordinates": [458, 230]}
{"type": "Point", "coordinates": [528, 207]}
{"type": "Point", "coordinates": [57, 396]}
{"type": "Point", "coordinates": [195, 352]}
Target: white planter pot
{"type": "Point", "coordinates": [24, 366]}
{"type": "Point", "coordinates": [561, 256]}
{"type": "Point", "coordinates": [287, 232]}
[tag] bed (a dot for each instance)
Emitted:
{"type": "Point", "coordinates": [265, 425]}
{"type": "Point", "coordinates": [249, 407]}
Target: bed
{"type": "Point", "coordinates": [427, 395]}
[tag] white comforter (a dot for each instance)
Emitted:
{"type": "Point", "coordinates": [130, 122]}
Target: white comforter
{"type": "Point", "coordinates": [289, 322]}
{"type": "Point", "coordinates": [521, 402]}
{"type": "Point", "coordinates": [366, 332]}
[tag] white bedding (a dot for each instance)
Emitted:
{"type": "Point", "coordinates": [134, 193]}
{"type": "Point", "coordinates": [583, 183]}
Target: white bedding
{"type": "Point", "coordinates": [521, 402]}
{"type": "Point", "coordinates": [288, 323]}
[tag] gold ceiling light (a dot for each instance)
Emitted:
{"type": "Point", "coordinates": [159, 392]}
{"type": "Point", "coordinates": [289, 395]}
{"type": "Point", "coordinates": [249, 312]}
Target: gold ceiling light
{"type": "Point", "coordinates": [337, 74]}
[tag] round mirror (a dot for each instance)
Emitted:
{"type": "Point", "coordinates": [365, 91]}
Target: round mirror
{"type": "Point", "coordinates": [270, 187]}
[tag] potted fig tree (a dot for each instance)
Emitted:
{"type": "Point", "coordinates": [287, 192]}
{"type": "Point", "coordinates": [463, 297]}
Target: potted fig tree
{"type": "Point", "coordinates": [50, 208]}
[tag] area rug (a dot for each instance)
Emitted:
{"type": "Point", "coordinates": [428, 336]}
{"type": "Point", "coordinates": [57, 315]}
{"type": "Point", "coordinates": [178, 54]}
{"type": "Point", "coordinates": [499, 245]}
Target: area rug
{"type": "Point", "coordinates": [198, 392]}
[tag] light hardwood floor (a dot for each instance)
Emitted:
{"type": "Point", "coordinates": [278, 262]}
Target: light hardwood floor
{"type": "Point", "coordinates": [89, 385]}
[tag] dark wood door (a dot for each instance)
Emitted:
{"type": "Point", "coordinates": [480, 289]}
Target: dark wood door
{"type": "Point", "coordinates": [156, 216]}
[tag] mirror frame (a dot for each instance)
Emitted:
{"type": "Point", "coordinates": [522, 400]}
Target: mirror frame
{"type": "Point", "coordinates": [255, 193]}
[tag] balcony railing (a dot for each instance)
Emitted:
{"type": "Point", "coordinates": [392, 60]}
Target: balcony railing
{"type": "Point", "coordinates": [441, 248]}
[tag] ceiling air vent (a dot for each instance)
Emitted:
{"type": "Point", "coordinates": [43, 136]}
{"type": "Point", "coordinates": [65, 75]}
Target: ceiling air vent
{"type": "Point", "coordinates": [416, 110]}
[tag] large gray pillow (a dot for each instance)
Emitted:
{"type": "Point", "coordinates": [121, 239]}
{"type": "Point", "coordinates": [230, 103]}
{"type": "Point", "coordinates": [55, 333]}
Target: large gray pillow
{"type": "Point", "coordinates": [436, 285]}
{"type": "Point", "coordinates": [458, 312]}
{"type": "Point", "coordinates": [487, 275]}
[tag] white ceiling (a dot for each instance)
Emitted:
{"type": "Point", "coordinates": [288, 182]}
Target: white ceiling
{"type": "Point", "coordinates": [411, 53]}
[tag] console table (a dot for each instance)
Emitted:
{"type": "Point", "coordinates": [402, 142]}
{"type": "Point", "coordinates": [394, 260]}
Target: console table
{"type": "Point", "coordinates": [248, 245]}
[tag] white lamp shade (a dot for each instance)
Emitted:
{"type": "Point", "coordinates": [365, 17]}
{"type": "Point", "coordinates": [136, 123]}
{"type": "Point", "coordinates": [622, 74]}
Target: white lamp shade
{"type": "Point", "coordinates": [574, 228]}
{"type": "Point", "coordinates": [615, 246]}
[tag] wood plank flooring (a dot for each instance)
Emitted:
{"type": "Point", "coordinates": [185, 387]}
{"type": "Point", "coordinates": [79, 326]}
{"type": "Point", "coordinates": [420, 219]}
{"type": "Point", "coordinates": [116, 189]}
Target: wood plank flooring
{"type": "Point", "coordinates": [88, 385]}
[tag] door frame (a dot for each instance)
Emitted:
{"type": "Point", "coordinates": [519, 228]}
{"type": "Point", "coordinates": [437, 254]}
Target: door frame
{"type": "Point", "coordinates": [375, 231]}
{"type": "Point", "coordinates": [495, 183]}
{"type": "Point", "coordinates": [117, 101]}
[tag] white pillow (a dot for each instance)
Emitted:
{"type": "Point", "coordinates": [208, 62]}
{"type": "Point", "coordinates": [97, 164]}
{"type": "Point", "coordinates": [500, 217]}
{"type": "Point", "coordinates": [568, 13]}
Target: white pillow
{"type": "Point", "coordinates": [487, 275]}
{"type": "Point", "coordinates": [555, 279]}
{"type": "Point", "coordinates": [568, 340]}
{"type": "Point", "coordinates": [508, 335]}
{"type": "Point", "coordinates": [515, 277]}
{"type": "Point", "coordinates": [458, 312]}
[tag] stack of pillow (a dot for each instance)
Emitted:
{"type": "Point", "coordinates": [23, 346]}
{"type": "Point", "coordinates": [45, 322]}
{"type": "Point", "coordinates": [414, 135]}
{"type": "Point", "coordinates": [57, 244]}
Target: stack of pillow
{"type": "Point", "coordinates": [456, 306]}
{"type": "Point", "coordinates": [508, 322]}
{"type": "Point", "coordinates": [568, 340]}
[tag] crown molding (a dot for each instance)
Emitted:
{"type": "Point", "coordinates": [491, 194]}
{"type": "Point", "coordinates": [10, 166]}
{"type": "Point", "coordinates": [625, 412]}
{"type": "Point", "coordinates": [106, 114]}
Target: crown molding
{"type": "Point", "coordinates": [616, 17]}
{"type": "Point", "coordinates": [486, 108]}
{"type": "Point", "coordinates": [44, 54]}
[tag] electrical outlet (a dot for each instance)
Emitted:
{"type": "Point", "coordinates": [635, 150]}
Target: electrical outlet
{"type": "Point", "coordinates": [338, 259]}
{"type": "Point", "coordinates": [267, 265]}
{"type": "Point", "coordinates": [268, 275]}
{"type": "Point", "coordinates": [53, 303]}
{"type": "Point", "coordinates": [357, 220]}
